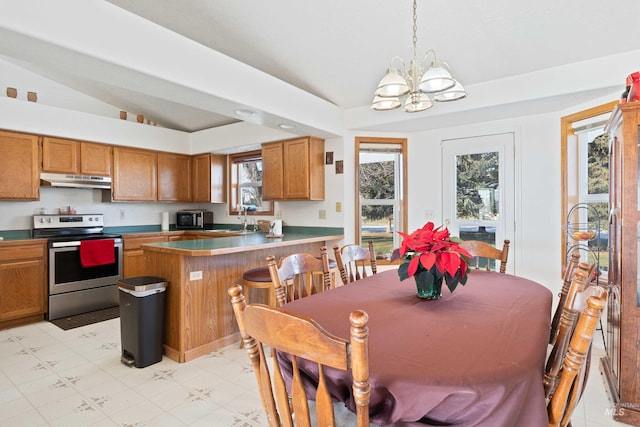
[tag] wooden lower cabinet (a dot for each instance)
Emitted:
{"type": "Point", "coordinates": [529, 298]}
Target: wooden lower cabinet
{"type": "Point", "coordinates": [133, 255]}
{"type": "Point", "coordinates": [23, 282]}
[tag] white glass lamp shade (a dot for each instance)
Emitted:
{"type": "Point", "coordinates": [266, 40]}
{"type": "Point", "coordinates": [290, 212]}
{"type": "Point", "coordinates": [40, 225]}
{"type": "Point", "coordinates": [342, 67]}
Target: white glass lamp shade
{"type": "Point", "coordinates": [436, 79]}
{"type": "Point", "coordinates": [392, 84]}
{"type": "Point", "coordinates": [417, 102]}
{"type": "Point", "coordinates": [456, 92]}
{"type": "Point", "coordinates": [382, 104]}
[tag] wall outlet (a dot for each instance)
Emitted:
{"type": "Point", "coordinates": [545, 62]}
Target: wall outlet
{"type": "Point", "coordinates": [322, 214]}
{"type": "Point", "coordinates": [338, 206]}
{"type": "Point", "coordinates": [195, 275]}
{"type": "Point", "coordinates": [121, 213]}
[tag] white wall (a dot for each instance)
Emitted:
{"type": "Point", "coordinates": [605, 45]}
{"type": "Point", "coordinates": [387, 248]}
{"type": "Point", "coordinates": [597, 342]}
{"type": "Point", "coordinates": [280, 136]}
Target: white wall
{"type": "Point", "coordinates": [18, 215]}
{"type": "Point", "coordinates": [536, 251]}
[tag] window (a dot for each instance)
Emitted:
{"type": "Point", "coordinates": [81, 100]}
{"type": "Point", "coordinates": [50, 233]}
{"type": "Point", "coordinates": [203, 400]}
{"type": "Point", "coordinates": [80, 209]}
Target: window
{"type": "Point", "coordinates": [593, 192]}
{"type": "Point", "coordinates": [246, 184]}
{"type": "Point", "coordinates": [381, 196]}
{"type": "Point", "coordinates": [577, 185]}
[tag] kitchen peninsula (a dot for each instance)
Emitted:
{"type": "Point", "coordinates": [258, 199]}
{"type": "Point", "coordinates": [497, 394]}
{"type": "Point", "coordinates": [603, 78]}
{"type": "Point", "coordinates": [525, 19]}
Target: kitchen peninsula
{"type": "Point", "coordinates": [199, 316]}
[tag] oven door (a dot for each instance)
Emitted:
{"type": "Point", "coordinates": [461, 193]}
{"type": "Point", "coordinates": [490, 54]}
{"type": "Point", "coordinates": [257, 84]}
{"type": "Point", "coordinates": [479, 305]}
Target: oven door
{"type": "Point", "coordinates": [66, 273]}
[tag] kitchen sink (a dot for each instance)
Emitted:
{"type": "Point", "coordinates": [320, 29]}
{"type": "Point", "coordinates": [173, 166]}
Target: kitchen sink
{"type": "Point", "coordinates": [231, 231]}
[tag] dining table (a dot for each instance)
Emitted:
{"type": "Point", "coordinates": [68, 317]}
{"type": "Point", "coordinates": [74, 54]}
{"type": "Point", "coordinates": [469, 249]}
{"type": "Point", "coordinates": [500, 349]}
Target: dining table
{"type": "Point", "coordinates": [474, 357]}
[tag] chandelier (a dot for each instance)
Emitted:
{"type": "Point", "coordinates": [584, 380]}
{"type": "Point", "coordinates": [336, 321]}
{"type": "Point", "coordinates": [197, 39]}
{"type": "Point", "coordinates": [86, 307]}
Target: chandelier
{"type": "Point", "coordinates": [421, 80]}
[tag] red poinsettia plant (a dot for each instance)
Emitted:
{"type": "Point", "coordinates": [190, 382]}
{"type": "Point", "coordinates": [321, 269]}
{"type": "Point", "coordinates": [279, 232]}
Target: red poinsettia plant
{"type": "Point", "coordinates": [430, 255]}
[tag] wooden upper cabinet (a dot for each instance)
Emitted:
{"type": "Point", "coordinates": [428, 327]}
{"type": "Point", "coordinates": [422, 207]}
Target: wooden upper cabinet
{"type": "Point", "coordinates": [293, 169]}
{"type": "Point", "coordinates": [75, 157]}
{"type": "Point", "coordinates": [174, 177]}
{"type": "Point", "coordinates": [272, 171]}
{"type": "Point", "coordinates": [134, 174]}
{"type": "Point", "coordinates": [95, 159]}
{"type": "Point", "coordinates": [19, 166]}
{"type": "Point", "coordinates": [60, 155]}
{"type": "Point", "coordinates": [210, 178]}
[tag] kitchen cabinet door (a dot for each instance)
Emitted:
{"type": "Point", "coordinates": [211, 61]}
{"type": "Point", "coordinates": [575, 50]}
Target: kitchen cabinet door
{"type": "Point", "coordinates": [95, 159]}
{"type": "Point", "coordinates": [210, 178]}
{"type": "Point", "coordinates": [134, 174]}
{"type": "Point", "coordinates": [174, 177]}
{"type": "Point", "coordinates": [133, 263]}
{"type": "Point", "coordinates": [23, 282]}
{"type": "Point", "coordinates": [272, 171]}
{"type": "Point", "coordinates": [60, 155]}
{"type": "Point", "coordinates": [19, 166]}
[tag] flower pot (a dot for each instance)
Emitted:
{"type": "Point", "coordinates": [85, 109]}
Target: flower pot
{"type": "Point", "coordinates": [431, 291]}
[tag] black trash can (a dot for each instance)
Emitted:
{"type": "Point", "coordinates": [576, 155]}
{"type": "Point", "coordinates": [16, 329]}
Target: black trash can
{"type": "Point", "coordinates": [142, 303]}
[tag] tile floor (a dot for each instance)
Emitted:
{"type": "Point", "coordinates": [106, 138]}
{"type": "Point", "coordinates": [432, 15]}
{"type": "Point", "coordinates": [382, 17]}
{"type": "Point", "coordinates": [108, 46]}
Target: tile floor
{"type": "Point", "coordinates": [51, 377]}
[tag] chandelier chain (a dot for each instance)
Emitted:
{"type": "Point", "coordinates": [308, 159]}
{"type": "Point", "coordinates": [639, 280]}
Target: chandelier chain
{"type": "Point", "coordinates": [415, 27]}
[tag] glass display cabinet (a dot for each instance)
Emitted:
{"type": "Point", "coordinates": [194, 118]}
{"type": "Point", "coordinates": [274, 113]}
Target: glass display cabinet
{"type": "Point", "coordinates": [620, 364]}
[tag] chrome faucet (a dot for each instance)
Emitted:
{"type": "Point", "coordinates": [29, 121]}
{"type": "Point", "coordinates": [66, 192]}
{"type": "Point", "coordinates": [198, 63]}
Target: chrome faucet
{"type": "Point", "coordinates": [243, 219]}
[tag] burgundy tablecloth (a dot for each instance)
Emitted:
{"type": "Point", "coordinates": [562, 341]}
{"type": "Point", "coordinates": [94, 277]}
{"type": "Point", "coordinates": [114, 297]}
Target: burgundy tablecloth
{"type": "Point", "coordinates": [473, 358]}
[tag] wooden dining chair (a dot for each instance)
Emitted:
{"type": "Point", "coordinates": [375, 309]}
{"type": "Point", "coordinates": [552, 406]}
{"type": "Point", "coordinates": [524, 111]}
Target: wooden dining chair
{"type": "Point", "coordinates": [482, 250]}
{"type": "Point", "coordinates": [297, 276]}
{"type": "Point", "coordinates": [567, 277]}
{"type": "Point", "coordinates": [355, 262]}
{"type": "Point", "coordinates": [571, 381]}
{"type": "Point", "coordinates": [299, 336]}
{"type": "Point", "coordinates": [567, 367]}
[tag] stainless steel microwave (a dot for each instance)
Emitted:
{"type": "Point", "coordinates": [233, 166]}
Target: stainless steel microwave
{"type": "Point", "coordinates": [194, 220]}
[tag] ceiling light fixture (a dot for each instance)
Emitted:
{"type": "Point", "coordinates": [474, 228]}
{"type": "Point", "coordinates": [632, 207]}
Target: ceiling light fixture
{"type": "Point", "coordinates": [245, 113]}
{"type": "Point", "coordinates": [419, 80]}
{"type": "Point", "coordinates": [286, 126]}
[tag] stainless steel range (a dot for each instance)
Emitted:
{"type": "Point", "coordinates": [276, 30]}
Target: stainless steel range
{"type": "Point", "coordinates": [74, 286]}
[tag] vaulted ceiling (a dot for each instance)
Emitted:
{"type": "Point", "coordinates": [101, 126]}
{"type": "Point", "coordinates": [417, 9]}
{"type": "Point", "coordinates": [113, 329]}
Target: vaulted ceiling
{"type": "Point", "coordinates": [511, 56]}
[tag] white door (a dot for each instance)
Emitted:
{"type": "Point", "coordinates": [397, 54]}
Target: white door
{"type": "Point", "coordinates": [478, 188]}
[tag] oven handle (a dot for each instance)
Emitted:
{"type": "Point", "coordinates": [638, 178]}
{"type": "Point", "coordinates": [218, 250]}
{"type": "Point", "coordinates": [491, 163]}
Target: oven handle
{"type": "Point", "coordinates": [75, 243]}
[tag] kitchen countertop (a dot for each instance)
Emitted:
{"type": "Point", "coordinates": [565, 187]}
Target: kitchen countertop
{"type": "Point", "coordinates": [290, 232]}
{"type": "Point", "coordinates": [239, 243]}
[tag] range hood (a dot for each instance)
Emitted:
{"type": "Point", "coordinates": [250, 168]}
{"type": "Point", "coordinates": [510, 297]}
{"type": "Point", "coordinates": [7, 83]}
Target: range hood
{"type": "Point", "coordinates": [75, 181]}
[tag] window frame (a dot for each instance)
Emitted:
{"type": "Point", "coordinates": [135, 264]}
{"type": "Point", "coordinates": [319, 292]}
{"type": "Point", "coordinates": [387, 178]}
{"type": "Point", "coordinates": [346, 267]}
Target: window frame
{"type": "Point", "coordinates": [234, 187]}
{"type": "Point", "coordinates": [401, 196]}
